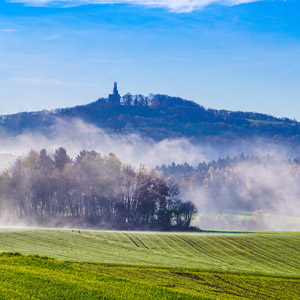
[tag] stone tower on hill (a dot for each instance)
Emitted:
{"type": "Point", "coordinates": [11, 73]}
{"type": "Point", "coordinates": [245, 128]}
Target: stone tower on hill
{"type": "Point", "coordinates": [115, 97]}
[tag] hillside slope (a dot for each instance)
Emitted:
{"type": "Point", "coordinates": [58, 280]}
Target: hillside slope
{"type": "Point", "coordinates": [34, 277]}
{"type": "Point", "coordinates": [159, 117]}
{"type": "Point", "coordinates": [253, 253]}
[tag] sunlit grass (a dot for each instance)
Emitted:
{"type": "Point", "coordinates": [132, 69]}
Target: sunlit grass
{"type": "Point", "coordinates": [42, 278]}
{"type": "Point", "coordinates": [262, 253]}
{"type": "Point", "coordinates": [149, 265]}
{"type": "Point", "coordinates": [33, 277]}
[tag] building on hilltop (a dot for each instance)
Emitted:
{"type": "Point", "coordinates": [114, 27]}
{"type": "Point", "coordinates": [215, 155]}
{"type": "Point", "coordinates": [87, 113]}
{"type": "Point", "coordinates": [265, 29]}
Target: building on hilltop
{"type": "Point", "coordinates": [115, 97]}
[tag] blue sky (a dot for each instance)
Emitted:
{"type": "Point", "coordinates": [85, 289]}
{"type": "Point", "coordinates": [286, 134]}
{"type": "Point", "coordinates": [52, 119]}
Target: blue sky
{"type": "Point", "coordinates": [219, 53]}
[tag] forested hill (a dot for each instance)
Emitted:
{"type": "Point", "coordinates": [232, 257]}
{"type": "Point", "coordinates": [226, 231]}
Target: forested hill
{"type": "Point", "coordinates": [159, 117]}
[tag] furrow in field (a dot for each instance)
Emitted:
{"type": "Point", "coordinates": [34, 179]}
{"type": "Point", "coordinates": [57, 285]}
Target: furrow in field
{"type": "Point", "coordinates": [140, 241]}
{"type": "Point", "coordinates": [213, 249]}
{"type": "Point", "coordinates": [267, 255]}
{"type": "Point", "coordinates": [237, 285]}
{"type": "Point", "coordinates": [256, 252]}
{"type": "Point", "coordinates": [132, 240]}
{"type": "Point", "coordinates": [181, 246]}
{"type": "Point", "coordinates": [257, 259]}
{"type": "Point", "coordinates": [282, 243]}
{"type": "Point", "coordinates": [237, 257]}
{"type": "Point", "coordinates": [248, 258]}
{"type": "Point", "coordinates": [272, 249]}
{"type": "Point", "coordinates": [202, 251]}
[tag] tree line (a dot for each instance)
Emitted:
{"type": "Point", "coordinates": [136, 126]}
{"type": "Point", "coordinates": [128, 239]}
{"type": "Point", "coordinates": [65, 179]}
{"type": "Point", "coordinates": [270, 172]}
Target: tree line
{"type": "Point", "coordinates": [90, 190]}
{"type": "Point", "coordinates": [243, 183]}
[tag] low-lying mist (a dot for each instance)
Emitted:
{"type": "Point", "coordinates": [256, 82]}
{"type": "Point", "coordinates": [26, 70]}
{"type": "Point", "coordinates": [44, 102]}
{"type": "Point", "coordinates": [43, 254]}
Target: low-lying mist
{"type": "Point", "coordinates": [75, 135]}
{"type": "Point", "coordinates": [250, 195]}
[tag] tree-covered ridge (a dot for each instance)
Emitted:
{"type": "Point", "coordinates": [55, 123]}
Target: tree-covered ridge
{"type": "Point", "coordinates": [243, 183]}
{"type": "Point", "coordinates": [179, 171]}
{"type": "Point", "coordinates": [160, 117]}
{"type": "Point", "coordinates": [90, 191]}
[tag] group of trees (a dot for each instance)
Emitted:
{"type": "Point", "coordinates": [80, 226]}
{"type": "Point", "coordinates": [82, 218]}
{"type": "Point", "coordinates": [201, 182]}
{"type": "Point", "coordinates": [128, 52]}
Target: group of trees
{"type": "Point", "coordinates": [179, 171]}
{"type": "Point", "coordinates": [90, 191]}
{"type": "Point", "coordinates": [135, 100]}
{"type": "Point", "coordinates": [242, 183]}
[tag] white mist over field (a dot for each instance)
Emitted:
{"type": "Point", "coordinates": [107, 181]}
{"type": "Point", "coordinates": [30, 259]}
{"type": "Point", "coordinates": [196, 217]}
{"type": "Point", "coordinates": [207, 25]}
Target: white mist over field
{"type": "Point", "coordinates": [272, 189]}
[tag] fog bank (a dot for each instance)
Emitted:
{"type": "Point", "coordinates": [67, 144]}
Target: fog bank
{"type": "Point", "coordinates": [271, 192]}
{"type": "Point", "coordinates": [75, 135]}
{"type": "Point", "coordinates": [249, 196]}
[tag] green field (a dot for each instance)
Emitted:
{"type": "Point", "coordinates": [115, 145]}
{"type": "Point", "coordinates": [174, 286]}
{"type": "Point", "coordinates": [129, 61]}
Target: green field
{"type": "Point", "coordinates": [136, 265]}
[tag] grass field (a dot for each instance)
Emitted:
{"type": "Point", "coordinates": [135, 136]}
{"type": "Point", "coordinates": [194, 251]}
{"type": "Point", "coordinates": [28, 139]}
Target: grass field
{"type": "Point", "coordinates": [135, 265]}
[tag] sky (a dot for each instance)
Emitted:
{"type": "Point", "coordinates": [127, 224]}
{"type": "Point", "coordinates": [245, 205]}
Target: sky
{"type": "Point", "coordinates": [223, 54]}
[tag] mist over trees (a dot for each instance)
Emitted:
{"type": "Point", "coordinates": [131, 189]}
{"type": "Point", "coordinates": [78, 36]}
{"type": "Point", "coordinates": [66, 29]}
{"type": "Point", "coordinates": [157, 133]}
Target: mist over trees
{"type": "Point", "coordinates": [242, 183]}
{"type": "Point", "coordinates": [96, 191]}
{"type": "Point", "coordinates": [90, 191]}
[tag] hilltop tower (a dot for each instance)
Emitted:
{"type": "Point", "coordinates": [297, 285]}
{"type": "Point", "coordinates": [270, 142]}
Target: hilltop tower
{"type": "Point", "coordinates": [115, 97]}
